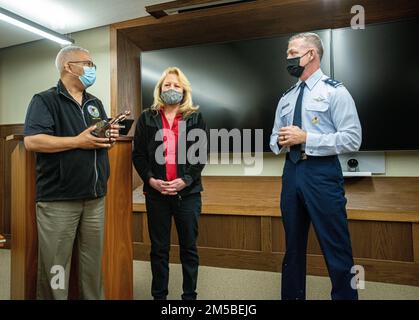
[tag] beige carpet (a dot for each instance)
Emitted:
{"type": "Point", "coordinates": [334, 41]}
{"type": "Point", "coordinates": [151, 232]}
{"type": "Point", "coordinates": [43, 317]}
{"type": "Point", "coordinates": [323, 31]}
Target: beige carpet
{"type": "Point", "coordinates": [230, 284]}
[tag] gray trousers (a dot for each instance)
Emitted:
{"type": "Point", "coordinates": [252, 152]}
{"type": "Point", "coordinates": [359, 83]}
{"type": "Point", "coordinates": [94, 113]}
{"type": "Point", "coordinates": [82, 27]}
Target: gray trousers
{"type": "Point", "coordinates": [60, 224]}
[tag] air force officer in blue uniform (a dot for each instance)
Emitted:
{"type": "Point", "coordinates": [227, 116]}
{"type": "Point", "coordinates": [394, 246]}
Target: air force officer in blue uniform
{"type": "Point", "coordinates": [316, 119]}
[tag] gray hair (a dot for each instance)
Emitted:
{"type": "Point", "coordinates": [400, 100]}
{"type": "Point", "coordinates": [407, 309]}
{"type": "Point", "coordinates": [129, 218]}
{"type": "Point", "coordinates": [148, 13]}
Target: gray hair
{"type": "Point", "coordinates": [63, 56]}
{"type": "Point", "coordinates": [312, 39]}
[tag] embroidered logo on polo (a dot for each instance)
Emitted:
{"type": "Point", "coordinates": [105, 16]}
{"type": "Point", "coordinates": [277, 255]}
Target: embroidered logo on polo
{"type": "Point", "coordinates": [93, 111]}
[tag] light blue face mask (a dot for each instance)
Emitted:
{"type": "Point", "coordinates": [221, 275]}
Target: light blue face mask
{"type": "Point", "coordinates": [89, 76]}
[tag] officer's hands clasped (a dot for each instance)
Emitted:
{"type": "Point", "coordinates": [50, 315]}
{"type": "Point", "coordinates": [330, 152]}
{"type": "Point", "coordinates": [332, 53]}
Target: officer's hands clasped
{"type": "Point", "coordinates": [291, 135]}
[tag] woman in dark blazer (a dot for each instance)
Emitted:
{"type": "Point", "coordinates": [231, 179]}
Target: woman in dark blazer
{"type": "Point", "coordinates": [170, 151]}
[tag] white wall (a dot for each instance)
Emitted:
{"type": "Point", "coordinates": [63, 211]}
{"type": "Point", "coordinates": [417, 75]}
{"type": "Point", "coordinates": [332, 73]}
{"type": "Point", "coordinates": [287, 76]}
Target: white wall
{"type": "Point", "coordinates": [30, 68]}
{"type": "Point", "coordinates": [398, 164]}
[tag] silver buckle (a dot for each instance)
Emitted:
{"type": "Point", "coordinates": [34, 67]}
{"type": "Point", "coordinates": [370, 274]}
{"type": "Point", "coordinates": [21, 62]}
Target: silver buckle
{"type": "Point", "coordinates": [303, 156]}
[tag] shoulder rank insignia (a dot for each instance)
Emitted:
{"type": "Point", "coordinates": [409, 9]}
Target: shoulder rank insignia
{"type": "Point", "coordinates": [333, 83]}
{"type": "Point", "coordinates": [289, 89]}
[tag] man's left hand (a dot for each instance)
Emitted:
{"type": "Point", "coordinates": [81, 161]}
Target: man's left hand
{"type": "Point", "coordinates": [291, 135]}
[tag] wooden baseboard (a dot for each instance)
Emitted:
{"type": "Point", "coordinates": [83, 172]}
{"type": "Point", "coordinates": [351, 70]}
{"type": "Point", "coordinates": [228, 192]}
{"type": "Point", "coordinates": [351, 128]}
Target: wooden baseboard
{"type": "Point", "coordinates": [406, 273]}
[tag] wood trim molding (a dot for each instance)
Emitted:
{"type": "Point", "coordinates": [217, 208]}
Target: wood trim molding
{"type": "Point", "coordinates": [114, 71]}
{"type": "Point", "coordinates": [256, 19]}
{"type": "Point", "coordinates": [361, 215]}
{"type": "Point", "coordinates": [392, 199]}
{"type": "Point", "coordinates": [125, 76]}
{"type": "Point", "coordinates": [161, 10]}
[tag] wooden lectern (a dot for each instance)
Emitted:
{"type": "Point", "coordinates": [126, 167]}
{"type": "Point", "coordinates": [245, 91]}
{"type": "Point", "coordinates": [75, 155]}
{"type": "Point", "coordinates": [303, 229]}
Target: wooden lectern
{"type": "Point", "coordinates": [118, 255]}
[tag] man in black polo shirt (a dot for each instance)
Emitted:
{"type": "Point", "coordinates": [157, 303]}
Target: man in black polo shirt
{"type": "Point", "coordinates": [72, 171]}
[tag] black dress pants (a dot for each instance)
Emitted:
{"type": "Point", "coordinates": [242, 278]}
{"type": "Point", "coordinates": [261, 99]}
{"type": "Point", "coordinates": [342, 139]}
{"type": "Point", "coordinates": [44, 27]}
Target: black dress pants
{"type": "Point", "coordinates": [186, 211]}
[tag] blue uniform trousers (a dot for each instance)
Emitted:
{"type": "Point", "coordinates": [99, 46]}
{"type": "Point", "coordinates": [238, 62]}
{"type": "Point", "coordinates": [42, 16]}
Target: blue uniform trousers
{"type": "Point", "coordinates": [312, 191]}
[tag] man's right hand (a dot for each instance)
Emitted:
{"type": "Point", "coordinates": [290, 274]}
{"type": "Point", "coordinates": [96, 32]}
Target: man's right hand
{"type": "Point", "coordinates": [86, 140]}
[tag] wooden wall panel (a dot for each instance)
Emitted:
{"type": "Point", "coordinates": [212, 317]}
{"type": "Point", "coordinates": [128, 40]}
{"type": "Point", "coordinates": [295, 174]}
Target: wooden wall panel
{"type": "Point", "coordinates": [9, 146]}
{"type": "Point", "coordinates": [370, 239]}
{"type": "Point", "coordinates": [24, 254]}
{"type": "Point", "coordinates": [415, 236]}
{"type": "Point", "coordinates": [266, 234]}
{"type": "Point", "coordinates": [2, 186]}
{"type": "Point", "coordinates": [137, 227]}
{"type": "Point", "coordinates": [125, 76]}
{"type": "Point", "coordinates": [232, 232]}
{"type": "Point", "coordinates": [125, 82]}
{"type": "Point", "coordinates": [117, 254]}
{"type": "Point", "coordinates": [6, 149]}
{"type": "Point", "coordinates": [382, 240]}
{"type": "Point", "coordinates": [278, 235]}
{"type": "Point", "coordinates": [262, 192]}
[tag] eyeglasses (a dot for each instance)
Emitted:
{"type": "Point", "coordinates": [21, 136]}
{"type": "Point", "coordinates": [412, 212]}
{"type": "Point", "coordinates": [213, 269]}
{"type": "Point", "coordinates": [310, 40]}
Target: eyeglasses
{"type": "Point", "coordinates": [86, 63]}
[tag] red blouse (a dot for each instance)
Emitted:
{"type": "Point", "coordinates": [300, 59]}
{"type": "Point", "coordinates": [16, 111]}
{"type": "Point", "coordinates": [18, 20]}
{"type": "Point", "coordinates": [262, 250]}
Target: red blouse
{"type": "Point", "coordinates": [170, 138]}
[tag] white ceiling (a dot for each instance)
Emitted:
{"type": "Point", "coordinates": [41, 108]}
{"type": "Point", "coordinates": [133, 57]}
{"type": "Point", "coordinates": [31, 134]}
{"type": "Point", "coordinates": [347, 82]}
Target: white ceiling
{"type": "Point", "coordinates": [67, 16]}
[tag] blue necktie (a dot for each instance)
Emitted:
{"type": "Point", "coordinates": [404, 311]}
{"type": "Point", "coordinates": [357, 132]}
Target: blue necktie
{"type": "Point", "coordinates": [295, 150]}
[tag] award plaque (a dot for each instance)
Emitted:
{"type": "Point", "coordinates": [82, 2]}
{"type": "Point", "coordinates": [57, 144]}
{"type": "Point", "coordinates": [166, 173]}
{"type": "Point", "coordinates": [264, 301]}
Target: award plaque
{"type": "Point", "coordinates": [103, 127]}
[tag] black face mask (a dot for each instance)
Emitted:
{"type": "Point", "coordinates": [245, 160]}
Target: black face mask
{"type": "Point", "coordinates": [293, 66]}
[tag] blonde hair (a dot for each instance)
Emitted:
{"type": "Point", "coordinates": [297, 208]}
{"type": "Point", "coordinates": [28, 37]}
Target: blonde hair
{"type": "Point", "coordinates": [186, 107]}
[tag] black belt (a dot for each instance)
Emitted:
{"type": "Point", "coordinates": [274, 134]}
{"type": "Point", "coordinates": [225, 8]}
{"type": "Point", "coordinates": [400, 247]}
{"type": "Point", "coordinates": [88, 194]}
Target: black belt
{"type": "Point", "coordinates": [305, 156]}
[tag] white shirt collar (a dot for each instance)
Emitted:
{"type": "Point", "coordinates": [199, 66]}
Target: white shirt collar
{"type": "Point", "coordinates": [313, 79]}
